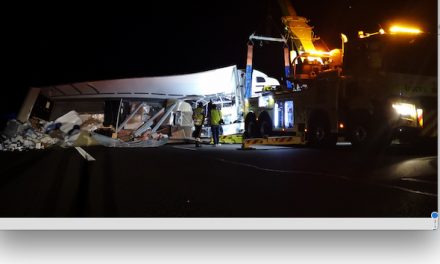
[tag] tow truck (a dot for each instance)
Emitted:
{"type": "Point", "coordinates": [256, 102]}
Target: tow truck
{"type": "Point", "coordinates": [368, 92]}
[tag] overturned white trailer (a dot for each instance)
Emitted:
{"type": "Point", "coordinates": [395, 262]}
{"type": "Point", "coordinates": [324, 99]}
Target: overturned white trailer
{"type": "Point", "coordinates": [223, 86]}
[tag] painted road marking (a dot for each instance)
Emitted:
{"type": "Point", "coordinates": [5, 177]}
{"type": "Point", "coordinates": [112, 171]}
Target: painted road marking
{"type": "Point", "coordinates": [184, 148]}
{"type": "Point", "coordinates": [283, 171]}
{"type": "Point", "coordinates": [417, 180]}
{"type": "Point", "coordinates": [406, 189]}
{"type": "Point", "coordinates": [330, 175]}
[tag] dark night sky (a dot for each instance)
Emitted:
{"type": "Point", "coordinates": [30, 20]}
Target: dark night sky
{"type": "Point", "coordinates": [81, 43]}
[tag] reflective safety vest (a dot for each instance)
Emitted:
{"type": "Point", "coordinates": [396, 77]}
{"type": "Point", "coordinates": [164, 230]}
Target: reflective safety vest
{"type": "Point", "coordinates": [216, 116]}
{"type": "Point", "coordinates": [198, 116]}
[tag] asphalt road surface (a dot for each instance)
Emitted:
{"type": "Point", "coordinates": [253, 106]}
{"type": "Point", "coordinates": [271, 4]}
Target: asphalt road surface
{"type": "Point", "coordinates": [184, 181]}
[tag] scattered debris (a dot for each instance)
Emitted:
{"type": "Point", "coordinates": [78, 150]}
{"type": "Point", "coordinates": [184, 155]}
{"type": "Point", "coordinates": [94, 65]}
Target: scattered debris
{"type": "Point", "coordinates": [18, 136]}
{"type": "Point", "coordinates": [75, 130]}
{"type": "Point", "coordinates": [153, 140]}
{"type": "Point", "coordinates": [84, 154]}
{"type": "Point", "coordinates": [69, 121]}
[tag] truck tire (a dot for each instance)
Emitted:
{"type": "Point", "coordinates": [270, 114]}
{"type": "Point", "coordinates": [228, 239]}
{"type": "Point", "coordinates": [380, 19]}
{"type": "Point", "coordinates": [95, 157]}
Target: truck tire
{"type": "Point", "coordinates": [319, 134]}
{"type": "Point", "coordinates": [250, 126]}
{"type": "Point", "coordinates": [364, 135]}
{"type": "Point", "coordinates": [360, 133]}
{"type": "Point", "coordinates": [265, 124]}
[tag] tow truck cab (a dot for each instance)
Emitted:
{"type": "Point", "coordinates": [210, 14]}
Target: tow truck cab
{"type": "Point", "coordinates": [389, 79]}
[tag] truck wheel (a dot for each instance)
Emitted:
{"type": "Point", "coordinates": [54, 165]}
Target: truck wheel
{"type": "Point", "coordinates": [319, 133]}
{"type": "Point", "coordinates": [367, 131]}
{"type": "Point", "coordinates": [363, 135]}
{"type": "Point", "coordinates": [250, 125]}
{"type": "Point", "coordinates": [265, 124]}
{"type": "Point", "coordinates": [359, 134]}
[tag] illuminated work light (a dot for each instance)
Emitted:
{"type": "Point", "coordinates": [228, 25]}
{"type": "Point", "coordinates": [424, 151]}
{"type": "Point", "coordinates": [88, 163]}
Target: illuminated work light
{"type": "Point", "coordinates": [405, 109]}
{"type": "Point", "coordinates": [408, 30]}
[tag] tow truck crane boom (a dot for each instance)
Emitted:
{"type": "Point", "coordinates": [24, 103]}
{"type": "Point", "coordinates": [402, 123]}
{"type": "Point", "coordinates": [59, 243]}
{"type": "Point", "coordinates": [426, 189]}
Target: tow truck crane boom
{"type": "Point", "coordinates": [299, 31]}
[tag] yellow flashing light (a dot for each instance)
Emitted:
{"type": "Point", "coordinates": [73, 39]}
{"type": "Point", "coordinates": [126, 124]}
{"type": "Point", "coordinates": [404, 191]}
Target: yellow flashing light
{"type": "Point", "coordinates": [401, 29]}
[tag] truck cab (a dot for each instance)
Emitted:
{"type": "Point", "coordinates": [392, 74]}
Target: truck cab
{"type": "Point", "coordinates": [231, 105]}
{"type": "Point", "coordinates": [390, 78]}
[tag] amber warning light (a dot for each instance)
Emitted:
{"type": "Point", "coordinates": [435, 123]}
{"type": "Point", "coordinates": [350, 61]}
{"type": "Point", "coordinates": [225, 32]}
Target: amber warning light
{"type": "Point", "coordinates": [401, 29]}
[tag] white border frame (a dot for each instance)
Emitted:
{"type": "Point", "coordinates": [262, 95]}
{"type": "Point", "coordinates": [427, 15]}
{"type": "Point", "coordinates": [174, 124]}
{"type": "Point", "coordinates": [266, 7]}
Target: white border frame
{"type": "Point", "coordinates": [218, 224]}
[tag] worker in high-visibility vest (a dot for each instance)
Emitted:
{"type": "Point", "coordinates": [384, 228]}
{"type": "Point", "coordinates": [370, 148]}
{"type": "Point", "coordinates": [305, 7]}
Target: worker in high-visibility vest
{"type": "Point", "coordinates": [216, 121]}
{"type": "Point", "coordinates": [198, 118]}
